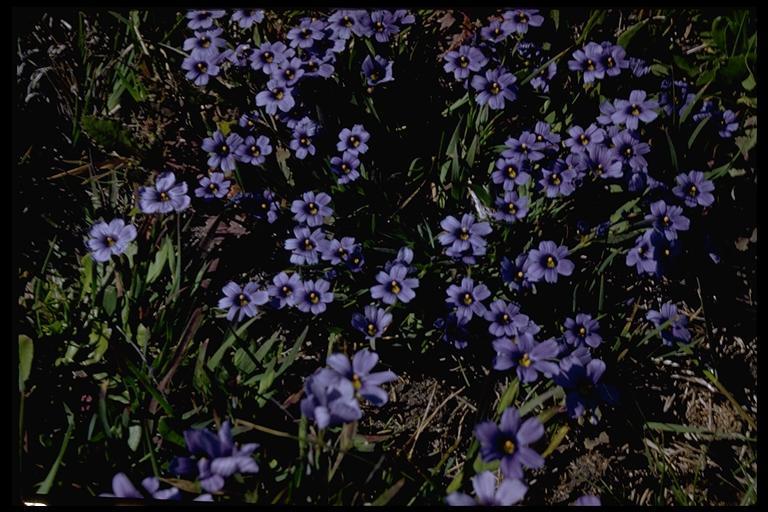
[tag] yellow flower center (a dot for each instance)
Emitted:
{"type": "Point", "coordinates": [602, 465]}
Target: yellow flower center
{"type": "Point", "coordinates": [345, 168]}
{"type": "Point", "coordinates": [505, 318]}
{"type": "Point", "coordinates": [205, 42]}
{"type": "Point", "coordinates": [495, 88]}
{"type": "Point", "coordinates": [304, 141]}
{"type": "Point", "coordinates": [255, 151]}
{"type": "Point", "coordinates": [511, 171]}
{"type": "Point", "coordinates": [590, 65]}
{"type": "Point", "coordinates": [693, 191]}
{"type": "Point", "coordinates": [289, 73]}
{"type": "Point", "coordinates": [110, 241]}
{"type": "Point", "coordinates": [582, 331]}
{"type": "Point", "coordinates": [308, 244]}
{"type": "Point", "coordinates": [583, 139]}
{"type": "Point", "coordinates": [464, 234]}
{"type": "Point", "coordinates": [551, 263]}
{"type": "Point", "coordinates": [356, 382]}
{"type": "Point", "coordinates": [379, 26]}
{"type": "Point", "coordinates": [635, 110]}
{"type": "Point", "coordinates": [268, 57]}
{"type": "Point", "coordinates": [286, 290]}
{"type": "Point", "coordinates": [164, 196]}
{"type": "Point", "coordinates": [520, 274]}
{"type": "Point", "coordinates": [354, 141]}
{"type": "Point", "coordinates": [279, 94]}
{"type": "Point", "coordinates": [609, 62]}
{"type": "Point", "coordinates": [468, 299]}
{"type": "Point", "coordinates": [213, 187]}
{"type": "Point", "coordinates": [312, 207]}
{"type": "Point", "coordinates": [394, 286]}
{"type": "Point", "coordinates": [525, 361]}
{"type": "Point", "coordinates": [242, 299]}
{"type": "Point", "coordinates": [314, 298]}
{"type": "Point", "coordinates": [555, 179]}
{"type": "Point", "coordinates": [202, 67]}
{"type": "Point", "coordinates": [371, 329]}
{"type": "Point", "coordinates": [511, 208]}
{"type": "Point", "coordinates": [666, 220]}
{"type": "Point", "coordinates": [509, 447]}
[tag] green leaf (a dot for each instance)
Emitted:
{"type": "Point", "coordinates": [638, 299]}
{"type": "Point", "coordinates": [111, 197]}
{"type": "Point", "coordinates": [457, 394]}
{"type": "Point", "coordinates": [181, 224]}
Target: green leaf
{"type": "Point", "coordinates": [456, 104]}
{"type": "Point", "coordinates": [156, 267]}
{"type": "Point", "coordinates": [555, 15]}
{"type": "Point", "coordinates": [110, 300]}
{"type": "Point", "coordinates": [142, 335]}
{"type": "Point", "coordinates": [215, 359]}
{"type": "Point", "coordinates": [390, 493]}
{"type": "Point", "coordinates": [26, 353]}
{"type": "Point", "coordinates": [45, 487]}
{"type": "Point", "coordinates": [672, 151]}
{"type": "Point", "coordinates": [556, 440]}
{"type": "Point", "coordinates": [595, 19]}
{"type": "Point", "coordinates": [294, 353]}
{"type": "Point", "coordinates": [168, 433]}
{"type": "Point", "coordinates": [696, 131]}
{"type": "Point", "coordinates": [630, 33]}
{"type": "Point", "coordinates": [509, 396]}
{"type": "Point", "coordinates": [99, 337]}
{"type": "Point", "coordinates": [696, 99]}
{"type": "Point", "coordinates": [134, 437]}
{"type": "Point", "coordinates": [108, 133]}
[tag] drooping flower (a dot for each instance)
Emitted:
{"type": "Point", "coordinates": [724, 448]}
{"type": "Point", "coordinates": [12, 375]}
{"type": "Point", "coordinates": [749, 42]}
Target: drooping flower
{"type": "Point", "coordinates": [677, 330]}
{"type": "Point", "coordinates": [377, 70]}
{"type": "Point", "coordinates": [465, 60]}
{"type": "Point", "coordinates": [254, 150]}
{"type": "Point", "coordinates": [353, 140]}
{"type": "Point", "coordinates": [312, 208]}
{"type": "Point", "coordinates": [526, 356]}
{"type": "Point", "coordinates": [510, 207]}
{"type": "Point", "coordinates": [110, 239]}
{"type": "Point", "coordinates": [213, 186]}
{"type": "Point", "coordinates": [122, 487]}
{"type": "Point", "coordinates": [582, 331]}
{"type": "Point", "coordinates": [304, 247]}
{"type": "Point", "coordinates": [510, 491]}
{"type": "Point", "coordinates": [313, 296]}
{"type": "Point", "coordinates": [505, 318]}
{"type": "Point", "coordinates": [547, 262]}
{"type": "Point", "coordinates": [582, 385]}
{"type": "Point", "coordinates": [493, 88]}
{"type": "Point", "coordinates": [330, 400]}
{"type": "Point", "coordinates": [668, 219]}
{"type": "Point", "coordinates": [373, 322]}
{"type": "Point", "coordinates": [166, 196]}
{"type": "Point", "coordinates": [468, 298]}
{"type": "Point", "coordinates": [284, 288]}
{"type": "Point", "coordinates": [394, 285]}
{"type": "Point", "coordinates": [521, 19]}
{"type": "Point", "coordinates": [345, 167]}
{"type": "Point", "coordinates": [694, 189]}
{"type": "Point", "coordinates": [509, 441]}
{"type": "Point", "coordinates": [217, 457]}
{"type": "Point", "coordinates": [222, 150]}
{"type": "Point", "coordinates": [358, 372]}
{"type": "Point", "coordinates": [242, 302]}
{"type": "Point", "coordinates": [636, 109]}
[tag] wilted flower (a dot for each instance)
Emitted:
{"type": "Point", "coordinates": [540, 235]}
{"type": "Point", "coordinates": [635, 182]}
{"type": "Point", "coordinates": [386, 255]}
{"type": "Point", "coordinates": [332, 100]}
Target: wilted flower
{"type": "Point", "coordinates": [373, 323]}
{"type": "Point", "coordinates": [242, 301]}
{"type": "Point", "coordinates": [547, 262]}
{"type": "Point", "coordinates": [254, 150]}
{"type": "Point", "coordinates": [694, 189]}
{"type": "Point", "coordinates": [454, 330]}
{"type": "Point", "coordinates": [314, 296]}
{"type": "Point", "coordinates": [541, 81]}
{"type": "Point", "coordinates": [509, 492]}
{"type": "Point", "coordinates": [582, 331]}
{"type": "Point", "coordinates": [166, 196]}
{"type": "Point", "coordinates": [213, 186]}
{"type": "Point", "coordinates": [528, 357]}
{"type": "Point", "coordinates": [312, 208]}
{"type": "Point", "coordinates": [260, 203]}
{"type": "Point", "coordinates": [358, 372]}
{"type": "Point", "coordinates": [222, 150]}
{"type": "Point", "coordinates": [394, 285]}
{"type": "Point", "coordinates": [304, 246]}
{"type": "Point", "coordinates": [377, 70]}
{"type": "Point", "coordinates": [509, 442]}
{"type": "Point", "coordinates": [677, 330]}
{"type": "Point", "coordinates": [110, 239]}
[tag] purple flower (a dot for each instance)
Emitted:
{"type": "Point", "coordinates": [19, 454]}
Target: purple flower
{"type": "Point", "coordinates": [582, 331]}
{"type": "Point", "coordinates": [613, 59]}
{"type": "Point", "coordinates": [668, 219]}
{"type": "Point", "coordinates": [547, 262]}
{"type": "Point", "coordinates": [213, 186]}
{"type": "Point", "coordinates": [510, 172]}
{"type": "Point", "coordinates": [203, 19]}
{"type": "Point", "coordinates": [301, 141]}
{"type": "Point", "coordinates": [403, 17]}
{"type": "Point", "coordinates": [728, 124]}
{"type": "Point", "coordinates": [494, 88]}
{"type": "Point", "coordinates": [205, 45]}
{"type": "Point", "coordinates": [283, 289]}
{"type": "Point", "coordinates": [454, 330]}
{"type": "Point", "coordinates": [248, 121]}
{"type": "Point", "coordinates": [581, 140]}
{"type": "Point", "coordinates": [306, 33]}
{"type": "Point", "coordinates": [269, 56]}
{"type": "Point", "coordinates": [261, 204]}
{"type": "Point", "coordinates": [304, 246]}
{"type": "Point", "coordinates": [353, 140]}
{"type": "Point", "coordinates": [166, 196]}
{"type": "Point", "coordinates": [345, 167]}
{"type": "Point", "coordinates": [560, 181]}
{"type": "Point", "coordinates": [526, 147]}
{"type": "Point", "coordinates": [675, 96]}
{"type": "Point", "coordinates": [583, 391]}
{"type": "Point", "coordinates": [528, 357]}
{"type": "Point", "coordinates": [513, 273]}
{"type": "Point", "coordinates": [345, 23]}
{"type": "Point", "coordinates": [677, 324]}
{"type": "Point", "coordinates": [404, 258]}
{"type": "Point", "coordinates": [630, 150]}
{"type": "Point", "coordinates": [377, 70]}
{"type": "Point", "coordinates": [664, 251]}
{"type": "Point", "coordinates": [200, 69]}
{"type": "Point", "coordinates": [603, 162]}
{"type": "Point", "coordinates": [314, 296]}
{"type": "Point", "coordinates": [635, 110]}
{"type": "Point", "coordinates": [520, 19]}
{"type": "Point", "coordinates": [289, 72]}
{"type": "Point", "coordinates": [240, 56]}
{"type": "Point", "coordinates": [382, 25]}
{"type": "Point", "coordinates": [312, 208]}
{"type": "Point", "coordinates": [254, 150]}
{"type": "Point", "coordinates": [484, 484]}
{"type": "Point", "coordinates": [496, 31]}
{"type": "Point", "coordinates": [545, 135]}
{"type": "Point", "coordinates": [110, 239]}
{"type": "Point", "coordinates": [468, 299]}
{"type": "Point", "coordinates": [510, 207]}
{"type": "Point", "coordinates": [366, 384]}
{"type": "Point", "coordinates": [639, 67]}
{"type": "Point", "coordinates": [247, 17]}
{"type": "Point", "coordinates": [122, 487]}
{"type": "Point", "coordinates": [541, 81]}
{"type": "Point", "coordinates": [509, 442]}
{"type": "Point", "coordinates": [607, 110]}
{"type": "Point", "coordinates": [242, 301]}
{"type": "Point", "coordinates": [277, 96]}
{"type": "Point", "coordinates": [394, 285]}
{"type": "Point", "coordinates": [464, 235]}
{"type": "Point", "coordinates": [337, 251]}
{"type": "Point", "coordinates": [221, 457]}
{"type": "Point", "coordinates": [222, 151]}
{"type": "Point", "coordinates": [505, 319]}
{"type": "Point", "coordinates": [587, 500]}
{"type": "Point", "coordinates": [694, 189]}
{"type": "Point", "coordinates": [373, 323]}
{"type": "Point", "coordinates": [463, 61]}
{"type": "Point", "coordinates": [330, 399]}
{"type": "Point", "coordinates": [589, 61]}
